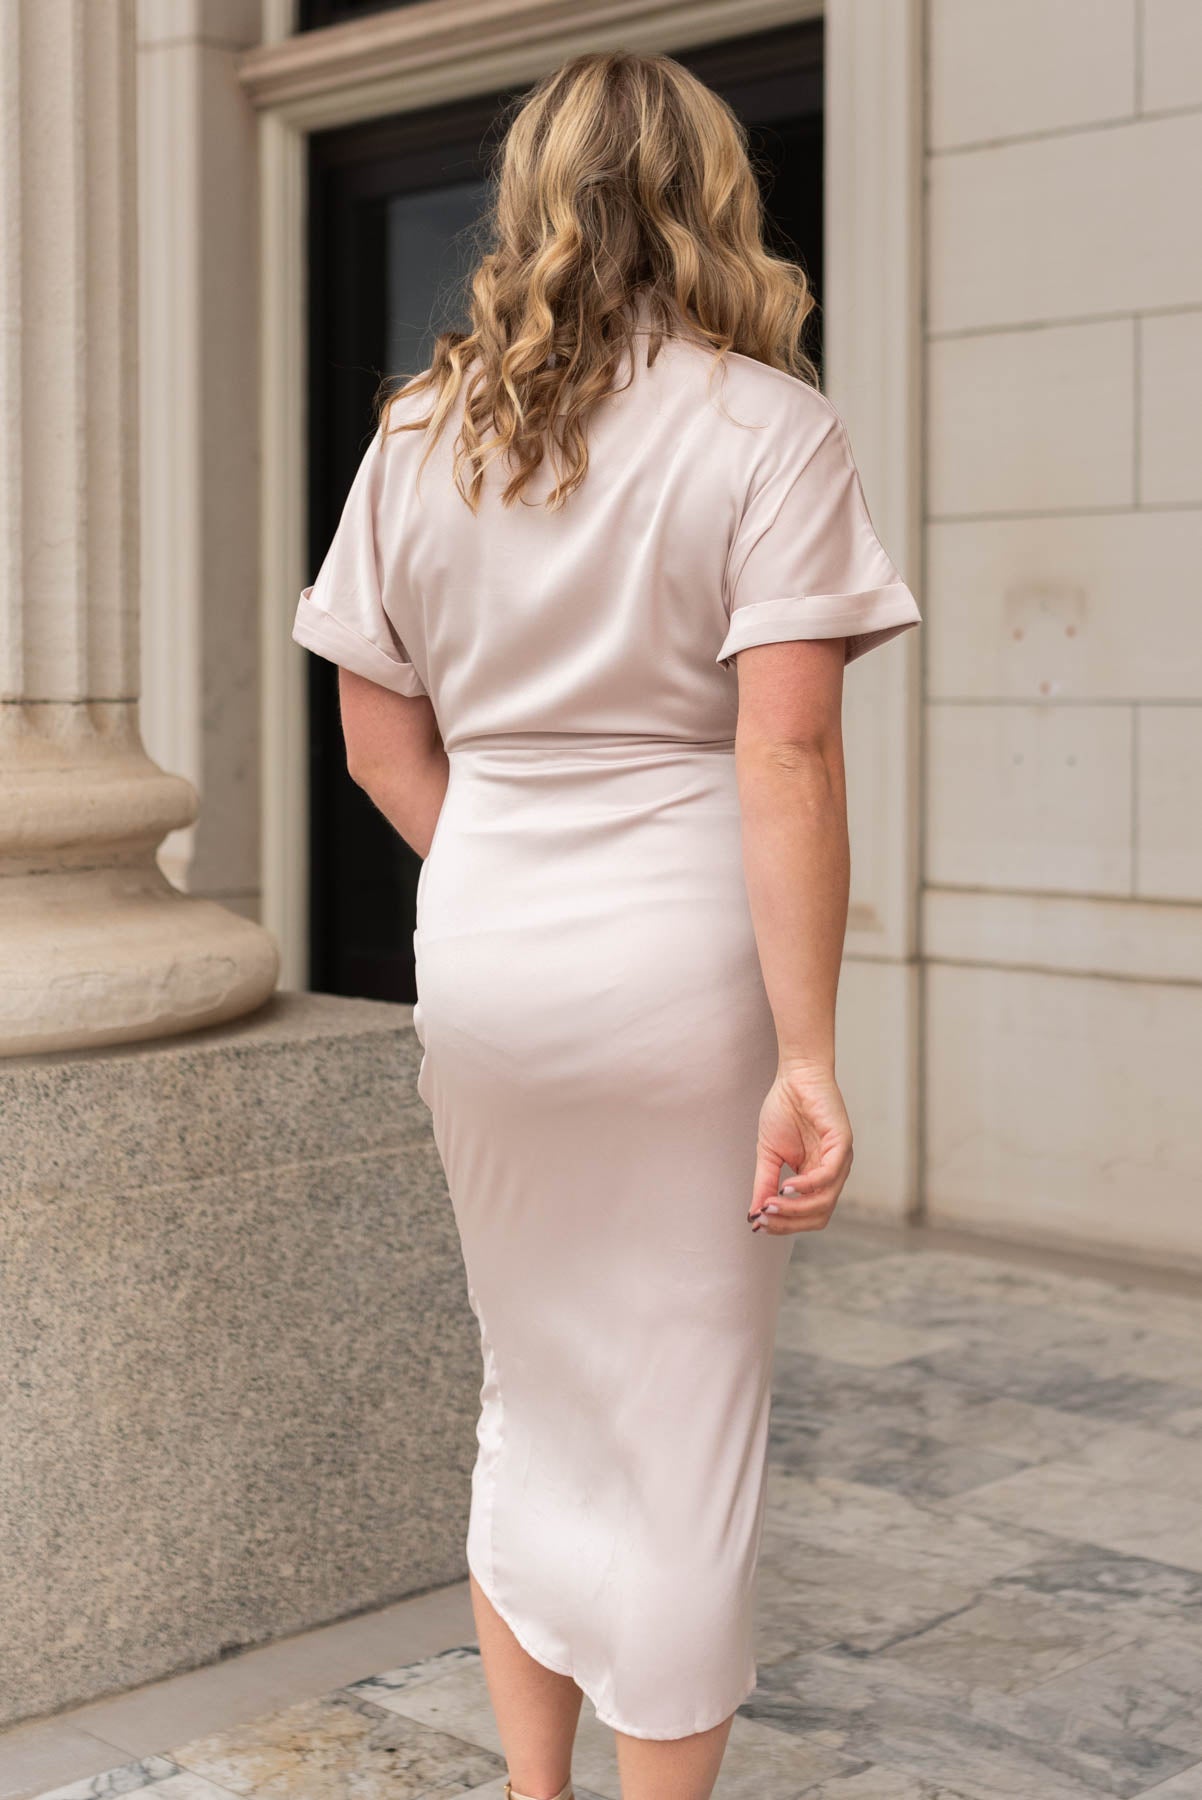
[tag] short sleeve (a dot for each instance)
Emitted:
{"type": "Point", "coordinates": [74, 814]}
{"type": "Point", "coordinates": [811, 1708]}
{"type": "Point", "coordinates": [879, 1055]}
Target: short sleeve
{"type": "Point", "coordinates": [806, 563]}
{"type": "Point", "coordinates": [342, 616]}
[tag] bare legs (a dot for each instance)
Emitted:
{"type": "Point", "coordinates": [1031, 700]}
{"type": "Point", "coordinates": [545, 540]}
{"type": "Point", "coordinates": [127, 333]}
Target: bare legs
{"type": "Point", "coordinates": [537, 1711]}
{"type": "Point", "coordinates": [671, 1768]}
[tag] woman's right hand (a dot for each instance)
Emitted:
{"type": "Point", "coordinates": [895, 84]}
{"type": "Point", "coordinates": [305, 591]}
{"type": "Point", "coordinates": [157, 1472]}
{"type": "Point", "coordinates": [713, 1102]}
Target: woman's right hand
{"type": "Point", "coordinates": [804, 1123]}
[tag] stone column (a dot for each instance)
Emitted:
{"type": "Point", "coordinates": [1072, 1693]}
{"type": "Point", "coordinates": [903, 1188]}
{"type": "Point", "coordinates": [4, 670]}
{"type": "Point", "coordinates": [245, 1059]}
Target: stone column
{"type": "Point", "coordinates": [96, 945]}
{"type": "Point", "coordinates": [198, 350]}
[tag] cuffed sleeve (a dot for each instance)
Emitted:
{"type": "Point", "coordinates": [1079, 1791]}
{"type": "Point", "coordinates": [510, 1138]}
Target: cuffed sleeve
{"type": "Point", "coordinates": [865, 620]}
{"type": "Point", "coordinates": [807, 563]}
{"type": "Point", "coordinates": [328, 635]}
{"type": "Point", "coordinates": [342, 616]}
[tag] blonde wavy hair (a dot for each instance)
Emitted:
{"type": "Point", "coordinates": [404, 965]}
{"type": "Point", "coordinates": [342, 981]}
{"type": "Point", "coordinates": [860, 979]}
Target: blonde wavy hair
{"type": "Point", "coordinates": [623, 191]}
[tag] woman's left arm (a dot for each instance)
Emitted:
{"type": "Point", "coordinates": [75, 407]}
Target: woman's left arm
{"type": "Point", "coordinates": [394, 753]}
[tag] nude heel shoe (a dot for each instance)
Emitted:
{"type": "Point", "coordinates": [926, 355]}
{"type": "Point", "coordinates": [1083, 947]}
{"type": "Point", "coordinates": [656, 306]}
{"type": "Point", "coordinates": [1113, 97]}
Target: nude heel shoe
{"type": "Point", "coordinates": [511, 1793]}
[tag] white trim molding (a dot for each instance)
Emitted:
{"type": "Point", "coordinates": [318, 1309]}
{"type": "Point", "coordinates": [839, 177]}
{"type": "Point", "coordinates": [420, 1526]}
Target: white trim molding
{"type": "Point", "coordinates": [283, 362]}
{"type": "Point", "coordinates": [873, 271]}
{"type": "Point", "coordinates": [441, 50]}
{"type": "Point", "coordinates": [873, 374]}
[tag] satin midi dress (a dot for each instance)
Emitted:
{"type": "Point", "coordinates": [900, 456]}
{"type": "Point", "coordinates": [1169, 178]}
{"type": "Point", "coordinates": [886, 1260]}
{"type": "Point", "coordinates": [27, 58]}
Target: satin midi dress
{"type": "Point", "coordinates": [596, 1038]}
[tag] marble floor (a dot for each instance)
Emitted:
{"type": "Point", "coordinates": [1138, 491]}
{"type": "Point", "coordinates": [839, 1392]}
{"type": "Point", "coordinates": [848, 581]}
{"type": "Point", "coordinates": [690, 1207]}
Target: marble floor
{"type": "Point", "coordinates": [981, 1574]}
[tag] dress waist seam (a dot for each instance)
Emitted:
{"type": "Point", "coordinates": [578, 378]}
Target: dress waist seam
{"type": "Point", "coordinates": [559, 746]}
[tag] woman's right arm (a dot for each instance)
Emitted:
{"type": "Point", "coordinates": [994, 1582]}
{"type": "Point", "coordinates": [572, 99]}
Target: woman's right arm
{"type": "Point", "coordinates": [395, 754]}
{"type": "Point", "coordinates": [789, 763]}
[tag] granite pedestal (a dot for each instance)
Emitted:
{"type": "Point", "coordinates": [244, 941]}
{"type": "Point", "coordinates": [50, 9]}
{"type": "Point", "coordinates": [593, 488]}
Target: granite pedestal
{"type": "Point", "coordinates": [241, 1375]}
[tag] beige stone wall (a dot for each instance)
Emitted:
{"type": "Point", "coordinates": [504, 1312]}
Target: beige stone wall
{"type": "Point", "coordinates": [1063, 482]}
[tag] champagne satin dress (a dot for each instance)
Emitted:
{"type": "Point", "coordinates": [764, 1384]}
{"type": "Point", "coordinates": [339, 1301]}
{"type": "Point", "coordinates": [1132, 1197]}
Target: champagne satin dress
{"type": "Point", "coordinates": [595, 1033]}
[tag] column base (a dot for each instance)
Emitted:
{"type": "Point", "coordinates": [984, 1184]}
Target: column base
{"type": "Point", "coordinates": [96, 945]}
{"type": "Point", "coordinates": [110, 956]}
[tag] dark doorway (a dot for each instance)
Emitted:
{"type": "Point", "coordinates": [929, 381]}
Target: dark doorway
{"type": "Point", "coordinates": [315, 13]}
{"type": "Point", "coordinates": [393, 204]}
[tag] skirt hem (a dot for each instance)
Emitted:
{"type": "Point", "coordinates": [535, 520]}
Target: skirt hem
{"type": "Point", "coordinates": [604, 1716]}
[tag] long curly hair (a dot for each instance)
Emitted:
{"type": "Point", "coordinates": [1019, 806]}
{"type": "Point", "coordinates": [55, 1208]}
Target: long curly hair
{"type": "Point", "coordinates": [623, 197]}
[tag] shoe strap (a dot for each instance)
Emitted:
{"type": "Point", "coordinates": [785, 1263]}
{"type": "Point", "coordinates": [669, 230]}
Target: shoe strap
{"type": "Point", "coordinates": [511, 1793]}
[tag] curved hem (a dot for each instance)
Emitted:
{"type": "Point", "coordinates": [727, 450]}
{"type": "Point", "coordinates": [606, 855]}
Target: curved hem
{"type": "Point", "coordinates": [604, 1717]}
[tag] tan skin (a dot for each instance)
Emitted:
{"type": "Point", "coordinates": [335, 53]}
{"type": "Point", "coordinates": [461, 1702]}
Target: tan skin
{"type": "Point", "coordinates": [789, 767]}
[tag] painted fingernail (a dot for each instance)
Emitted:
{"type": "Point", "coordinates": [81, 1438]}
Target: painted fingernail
{"type": "Point", "coordinates": [771, 1209]}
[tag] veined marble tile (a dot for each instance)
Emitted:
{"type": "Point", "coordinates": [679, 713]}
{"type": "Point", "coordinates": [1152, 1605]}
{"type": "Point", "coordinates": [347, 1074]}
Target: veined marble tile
{"type": "Point", "coordinates": [939, 1289]}
{"type": "Point", "coordinates": [1041, 1326]}
{"type": "Point", "coordinates": [395, 1681]}
{"type": "Point", "coordinates": [1048, 1378]}
{"type": "Point", "coordinates": [1090, 1579]}
{"type": "Point", "coordinates": [187, 1787]}
{"type": "Point", "coordinates": [1120, 1346]}
{"type": "Point", "coordinates": [908, 1398]}
{"type": "Point", "coordinates": [782, 1629]}
{"type": "Point", "coordinates": [989, 1747]}
{"type": "Point", "coordinates": [912, 1285]}
{"type": "Point", "coordinates": [1186, 1786]}
{"type": "Point", "coordinates": [1015, 1428]}
{"type": "Point", "coordinates": [1033, 1324]}
{"type": "Point", "coordinates": [1127, 1303]}
{"type": "Point", "coordinates": [1140, 1351]}
{"type": "Point", "coordinates": [1150, 1458]}
{"type": "Point", "coordinates": [455, 1701]}
{"type": "Point", "coordinates": [1006, 1643]}
{"type": "Point", "coordinates": [805, 1598]}
{"type": "Point", "coordinates": [759, 1764]}
{"type": "Point", "coordinates": [178, 1786]}
{"type": "Point", "coordinates": [830, 1514]}
{"type": "Point", "coordinates": [810, 1394]}
{"type": "Point", "coordinates": [819, 1390]}
{"type": "Point", "coordinates": [1117, 1747]}
{"type": "Point", "coordinates": [763, 1764]}
{"type": "Point", "coordinates": [825, 1249]}
{"type": "Point", "coordinates": [457, 1704]}
{"type": "Point", "coordinates": [880, 1784]}
{"type": "Point", "coordinates": [905, 1462]}
{"type": "Point", "coordinates": [328, 1749]}
{"type": "Point", "coordinates": [1187, 1423]}
{"type": "Point", "coordinates": [1151, 1688]}
{"type": "Point", "coordinates": [1076, 1503]}
{"type": "Point", "coordinates": [841, 1336]}
{"type": "Point", "coordinates": [130, 1778]}
{"type": "Point", "coordinates": [909, 1462]}
{"type": "Point", "coordinates": [495, 1790]}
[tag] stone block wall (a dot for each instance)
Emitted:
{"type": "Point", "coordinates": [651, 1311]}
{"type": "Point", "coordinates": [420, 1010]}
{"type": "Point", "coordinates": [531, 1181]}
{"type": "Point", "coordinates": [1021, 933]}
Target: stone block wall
{"type": "Point", "coordinates": [1062, 921]}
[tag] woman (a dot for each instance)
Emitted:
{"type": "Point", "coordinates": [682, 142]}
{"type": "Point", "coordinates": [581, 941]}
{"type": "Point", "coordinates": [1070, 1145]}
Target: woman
{"type": "Point", "coordinates": [592, 595]}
